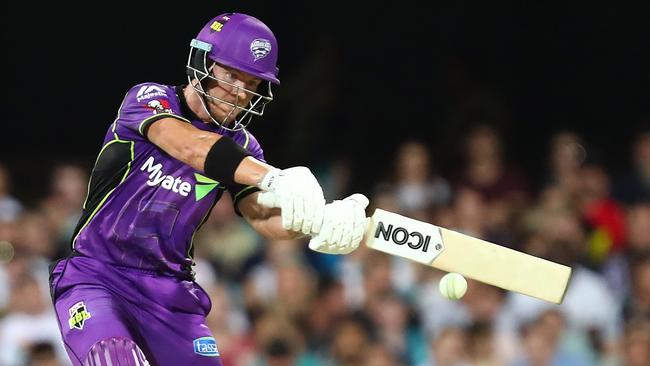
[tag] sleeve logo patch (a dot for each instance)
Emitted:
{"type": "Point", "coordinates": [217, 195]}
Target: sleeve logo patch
{"type": "Point", "coordinates": [159, 106]}
{"type": "Point", "coordinates": [78, 315]}
{"type": "Point", "coordinates": [150, 91]}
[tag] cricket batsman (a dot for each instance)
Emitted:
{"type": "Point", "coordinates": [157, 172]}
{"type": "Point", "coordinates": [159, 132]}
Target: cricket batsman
{"type": "Point", "coordinates": [126, 294]}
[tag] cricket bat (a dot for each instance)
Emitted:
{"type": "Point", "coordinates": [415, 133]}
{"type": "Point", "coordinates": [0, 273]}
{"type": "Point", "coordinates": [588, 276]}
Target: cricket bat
{"type": "Point", "coordinates": [452, 251]}
{"type": "Point", "coordinates": [474, 258]}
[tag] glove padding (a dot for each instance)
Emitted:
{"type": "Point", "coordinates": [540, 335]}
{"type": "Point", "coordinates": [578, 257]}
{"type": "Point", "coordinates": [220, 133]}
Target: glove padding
{"type": "Point", "coordinates": [344, 224]}
{"type": "Point", "coordinates": [298, 195]}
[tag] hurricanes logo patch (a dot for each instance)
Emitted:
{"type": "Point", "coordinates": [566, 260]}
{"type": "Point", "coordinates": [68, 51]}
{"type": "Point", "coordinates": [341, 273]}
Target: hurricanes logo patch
{"type": "Point", "coordinates": [78, 315]}
{"type": "Point", "coordinates": [159, 106]}
{"type": "Point", "coordinates": [260, 48]}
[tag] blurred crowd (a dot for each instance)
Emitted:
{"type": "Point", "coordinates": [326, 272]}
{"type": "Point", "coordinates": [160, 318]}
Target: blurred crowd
{"type": "Point", "coordinates": [277, 303]}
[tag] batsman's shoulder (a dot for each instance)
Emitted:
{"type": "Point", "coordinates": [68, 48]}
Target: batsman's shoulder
{"type": "Point", "coordinates": [247, 140]}
{"type": "Point", "coordinates": [150, 90]}
{"type": "Point", "coordinates": [144, 104]}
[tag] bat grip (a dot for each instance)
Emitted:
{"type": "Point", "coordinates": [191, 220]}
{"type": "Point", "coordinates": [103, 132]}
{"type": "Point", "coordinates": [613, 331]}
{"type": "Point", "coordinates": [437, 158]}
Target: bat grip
{"type": "Point", "coordinates": [269, 199]}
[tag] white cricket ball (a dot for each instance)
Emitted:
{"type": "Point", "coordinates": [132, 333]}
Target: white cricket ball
{"type": "Point", "coordinates": [453, 286]}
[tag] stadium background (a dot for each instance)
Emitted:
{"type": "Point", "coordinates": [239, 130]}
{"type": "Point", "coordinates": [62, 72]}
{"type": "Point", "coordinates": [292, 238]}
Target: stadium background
{"type": "Point", "coordinates": [357, 84]}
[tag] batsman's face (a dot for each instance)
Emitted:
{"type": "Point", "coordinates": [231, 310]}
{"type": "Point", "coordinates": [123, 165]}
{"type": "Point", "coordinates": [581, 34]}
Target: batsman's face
{"type": "Point", "coordinates": [232, 86]}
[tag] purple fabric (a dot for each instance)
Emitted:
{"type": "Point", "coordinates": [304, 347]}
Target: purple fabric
{"type": "Point", "coordinates": [130, 276]}
{"type": "Point", "coordinates": [163, 315]}
{"type": "Point", "coordinates": [243, 42]}
{"type": "Point", "coordinates": [116, 352]}
{"type": "Point", "coordinates": [149, 219]}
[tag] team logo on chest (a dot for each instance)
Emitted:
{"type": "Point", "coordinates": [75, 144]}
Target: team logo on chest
{"type": "Point", "coordinates": [78, 315]}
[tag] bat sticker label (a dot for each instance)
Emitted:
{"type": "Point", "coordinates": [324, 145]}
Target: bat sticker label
{"type": "Point", "coordinates": [398, 235]}
{"type": "Point", "coordinates": [401, 236]}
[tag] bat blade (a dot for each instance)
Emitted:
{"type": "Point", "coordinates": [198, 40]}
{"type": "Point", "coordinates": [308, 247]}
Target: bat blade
{"type": "Point", "coordinates": [474, 258]}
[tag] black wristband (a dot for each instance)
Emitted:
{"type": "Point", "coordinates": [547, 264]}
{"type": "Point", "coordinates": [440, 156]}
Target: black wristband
{"type": "Point", "coordinates": [223, 159]}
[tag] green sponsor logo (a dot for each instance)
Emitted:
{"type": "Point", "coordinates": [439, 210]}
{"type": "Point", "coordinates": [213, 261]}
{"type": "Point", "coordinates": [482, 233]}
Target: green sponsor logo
{"type": "Point", "coordinates": [204, 186]}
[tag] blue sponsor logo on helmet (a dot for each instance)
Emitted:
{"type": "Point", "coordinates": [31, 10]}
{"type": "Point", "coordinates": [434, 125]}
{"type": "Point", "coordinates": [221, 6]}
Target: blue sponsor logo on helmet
{"type": "Point", "coordinates": [206, 346]}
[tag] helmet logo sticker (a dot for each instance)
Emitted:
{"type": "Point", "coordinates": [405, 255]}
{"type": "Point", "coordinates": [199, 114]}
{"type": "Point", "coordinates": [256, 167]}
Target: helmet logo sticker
{"type": "Point", "coordinates": [216, 26]}
{"type": "Point", "coordinates": [260, 48]}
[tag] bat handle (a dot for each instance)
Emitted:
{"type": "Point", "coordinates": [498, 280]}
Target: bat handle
{"type": "Point", "coordinates": [269, 199]}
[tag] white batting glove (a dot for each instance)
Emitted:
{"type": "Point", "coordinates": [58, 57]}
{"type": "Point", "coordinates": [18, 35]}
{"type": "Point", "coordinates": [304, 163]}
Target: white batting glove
{"type": "Point", "coordinates": [298, 195]}
{"type": "Point", "coordinates": [344, 224]}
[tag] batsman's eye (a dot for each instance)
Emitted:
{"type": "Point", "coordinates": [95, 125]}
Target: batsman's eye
{"type": "Point", "coordinates": [253, 84]}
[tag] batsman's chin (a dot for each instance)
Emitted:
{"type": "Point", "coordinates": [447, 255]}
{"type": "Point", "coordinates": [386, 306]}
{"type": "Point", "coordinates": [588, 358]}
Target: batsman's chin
{"type": "Point", "coordinates": [224, 112]}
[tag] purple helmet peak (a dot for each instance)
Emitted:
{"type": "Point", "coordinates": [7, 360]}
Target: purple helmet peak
{"type": "Point", "coordinates": [242, 42]}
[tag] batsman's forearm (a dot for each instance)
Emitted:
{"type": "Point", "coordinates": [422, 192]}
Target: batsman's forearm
{"type": "Point", "coordinates": [251, 171]}
{"type": "Point", "coordinates": [219, 157]}
{"type": "Point", "coordinates": [271, 227]}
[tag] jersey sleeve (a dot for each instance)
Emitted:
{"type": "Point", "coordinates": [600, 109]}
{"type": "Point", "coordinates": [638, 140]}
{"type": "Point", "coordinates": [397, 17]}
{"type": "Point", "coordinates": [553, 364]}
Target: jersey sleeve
{"type": "Point", "coordinates": [143, 105]}
{"type": "Point", "coordinates": [250, 143]}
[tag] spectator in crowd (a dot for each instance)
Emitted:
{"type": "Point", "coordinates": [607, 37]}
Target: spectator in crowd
{"type": "Point", "coordinates": [351, 337]}
{"type": "Point", "coordinates": [278, 341]}
{"type": "Point", "coordinates": [29, 320]}
{"type": "Point", "coordinates": [8, 232]}
{"type": "Point", "coordinates": [637, 305]}
{"type": "Point", "coordinates": [636, 343]}
{"type": "Point", "coordinates": [10, 207]}
{"type": "Point", "coordinates": [418, 186]}
{"type": "Point", "coordinates": [540, 343]}
{"type": "Point", "coordinates": [470, 213]}
{"type": "Point", "coordinates": [282, 281]}
{"type": "Point", "coordinates": [450, 348]}
{"type": "Point", "coordinates": [379, 355]}
{"type": "Point", "coordinates": [328, 309]}
{"type": "Point", "coordinates": [482, 345]}
{"type": "Point", "coordinates": [562, 239]}
{"type": "Point", "coordinates": [485, 169]}
{"type": "Point", "coordinates": [616, 269]}
{"type": "Point", "coordinates": [42, 354]}
{"type": "Point", "coordinates": [224, 226]}
{"type": "Point", "coordinates": [391, 318]}
{"type": "Point", "coordinates": [63, 205]}
{"type": "Point", "coordinates": [566, 153]}
{"type": "Point", "coordinates": [634, 185]}
{"type": "Point", "coordinates": [605, 218]}
{"type": "Point", "coordinates": [230, 325]}
{"type": "Point", "coordinates": [500, 183]}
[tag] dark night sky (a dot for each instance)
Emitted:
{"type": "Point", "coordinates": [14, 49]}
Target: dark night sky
{"type": "Point", "coordinates": [390, 72]}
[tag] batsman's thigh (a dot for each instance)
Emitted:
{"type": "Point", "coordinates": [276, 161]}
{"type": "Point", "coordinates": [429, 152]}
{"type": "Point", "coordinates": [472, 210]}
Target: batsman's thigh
{"type": "Point", "coordinates": [180, 339]}
{"type": "Point", "coordinates": [87, 316]}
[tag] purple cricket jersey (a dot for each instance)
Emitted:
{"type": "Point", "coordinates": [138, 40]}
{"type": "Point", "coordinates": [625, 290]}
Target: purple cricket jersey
{"type": "Point", "coordinates": [144, 206]}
